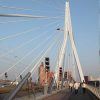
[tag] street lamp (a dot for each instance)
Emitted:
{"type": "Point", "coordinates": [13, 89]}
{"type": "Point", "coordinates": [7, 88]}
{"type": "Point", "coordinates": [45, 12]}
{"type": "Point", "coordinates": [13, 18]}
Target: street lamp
{"type": "Point", "coordinates": [59, 29]}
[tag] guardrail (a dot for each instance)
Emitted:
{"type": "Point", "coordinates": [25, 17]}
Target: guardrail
{"type": "Point", "coordinates": [94, 90]}
{"type": "Point", "coordinates": [13, 93]}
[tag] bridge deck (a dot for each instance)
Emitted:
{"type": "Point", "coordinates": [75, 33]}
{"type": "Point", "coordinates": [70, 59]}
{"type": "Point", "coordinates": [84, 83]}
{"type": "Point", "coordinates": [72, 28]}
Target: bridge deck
{"type": "Point", "coordinates": [67, 95]}
{"type": "Point", "coordinates": [62, 95]}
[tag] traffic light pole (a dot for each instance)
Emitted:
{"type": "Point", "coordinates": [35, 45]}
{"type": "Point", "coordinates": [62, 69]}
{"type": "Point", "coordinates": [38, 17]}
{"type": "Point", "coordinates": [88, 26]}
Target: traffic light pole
{"type": "Point", "coordinates": [46, 84]}
{"type": "Point", "coordinates": [47, 65]}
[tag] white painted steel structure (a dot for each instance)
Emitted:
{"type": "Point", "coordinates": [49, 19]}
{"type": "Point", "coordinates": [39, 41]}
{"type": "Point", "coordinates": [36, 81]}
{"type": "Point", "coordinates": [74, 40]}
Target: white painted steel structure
{"type": "Point", "coordinates": [68, 32]}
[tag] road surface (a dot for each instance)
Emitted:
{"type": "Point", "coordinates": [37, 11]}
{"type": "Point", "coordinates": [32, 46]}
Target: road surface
{"type": "Point", "coordinates": [67, 95]}
{"type": "Point", "coordinates": [62, 95]}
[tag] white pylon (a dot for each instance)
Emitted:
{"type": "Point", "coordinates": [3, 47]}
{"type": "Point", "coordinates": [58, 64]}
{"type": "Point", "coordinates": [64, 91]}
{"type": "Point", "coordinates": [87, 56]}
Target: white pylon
{"type": "Point", "coordinates": [68, 32]}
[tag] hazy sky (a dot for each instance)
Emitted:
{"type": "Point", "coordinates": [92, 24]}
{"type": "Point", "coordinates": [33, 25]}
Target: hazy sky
{"type": "Point", "coordinates": [84, 15]}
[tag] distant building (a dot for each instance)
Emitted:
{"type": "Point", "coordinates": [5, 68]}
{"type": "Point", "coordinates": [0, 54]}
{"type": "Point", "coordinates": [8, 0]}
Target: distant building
{"type": "Point", "coordinates": [86, 79]}
{"type": "Point", "coordinates": [4, 83]}
{"type": "Point", "coordinates": [91, 78]}
{"type": "Point", "coordinates": [42, 75]}
{"type": "Point", "coordinates": [50, 77]}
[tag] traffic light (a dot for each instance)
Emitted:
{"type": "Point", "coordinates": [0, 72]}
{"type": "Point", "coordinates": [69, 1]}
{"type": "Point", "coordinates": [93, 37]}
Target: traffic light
{"type": "Point", "coordinates": [60, 73]}
{"type": "Point", "coordinates": [65, 75]}
{"type": "Point", "coordinates": [47, 64]}
{"type": "Point", "coordinates": [6, 75]}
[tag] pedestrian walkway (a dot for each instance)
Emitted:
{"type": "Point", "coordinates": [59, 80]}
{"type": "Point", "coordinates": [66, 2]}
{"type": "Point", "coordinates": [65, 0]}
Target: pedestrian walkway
{"type": "Point", "coordinates": [63, 95]}
{"type": "Point", "coordinates": [82, 96]}
{"type": "Point", "coordinates": [67, 95]}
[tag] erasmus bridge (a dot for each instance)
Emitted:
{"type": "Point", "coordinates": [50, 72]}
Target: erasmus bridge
{"type": "Point", "coordinates": [41, 48]}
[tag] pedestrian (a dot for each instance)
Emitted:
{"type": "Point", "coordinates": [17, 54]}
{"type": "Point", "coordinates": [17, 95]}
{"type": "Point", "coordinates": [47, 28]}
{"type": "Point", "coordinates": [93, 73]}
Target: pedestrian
{"type": "Point", "coordinates": [76, 86]}
{"type": "Point", "coordinates": [71, 86]}
{"type": "Point", "coordinates": [83, 87]}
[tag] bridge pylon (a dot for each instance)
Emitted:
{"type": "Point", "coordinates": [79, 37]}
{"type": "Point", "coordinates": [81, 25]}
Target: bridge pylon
{"type": "Point", "coordinates": [68, 32]}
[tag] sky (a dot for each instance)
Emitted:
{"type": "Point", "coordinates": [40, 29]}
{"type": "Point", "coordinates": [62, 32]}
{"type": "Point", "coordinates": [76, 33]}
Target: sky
{"type": "Point", "coordinates": [84, 15]}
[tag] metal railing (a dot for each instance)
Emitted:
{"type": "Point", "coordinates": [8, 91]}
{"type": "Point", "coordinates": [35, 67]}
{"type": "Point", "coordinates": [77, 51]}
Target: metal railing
{"type": "Point", "coordinates": [94, 90]}
{"type": "Point", "coordinates": [13, 93]}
